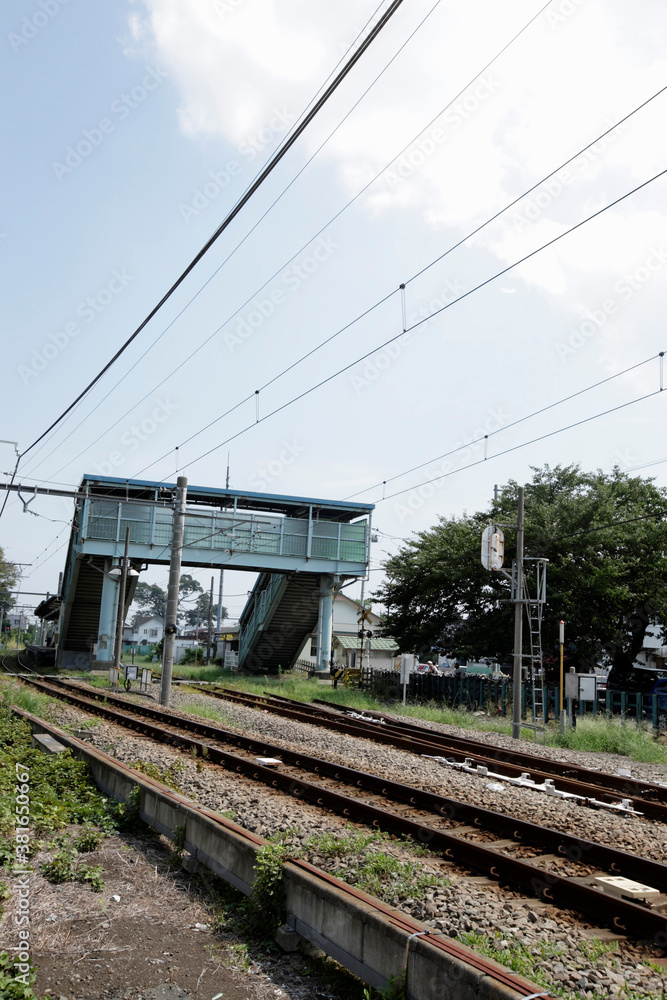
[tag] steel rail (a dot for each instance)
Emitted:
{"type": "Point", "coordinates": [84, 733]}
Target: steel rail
{"type": "Point", "coordinates": [621, 783]}
{"type": "Point", "coordinates": [406, 923]}
{"type": "Point", "coordinates": [631, 918]}
{"type": "Point", "coordinates": [434, 744]}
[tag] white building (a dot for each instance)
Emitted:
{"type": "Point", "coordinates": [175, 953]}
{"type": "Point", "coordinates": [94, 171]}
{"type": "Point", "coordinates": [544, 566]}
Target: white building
{"type": "Point", "coordinates": [346, 643]}
{"type": "Point", "coordinates": [145, 631]}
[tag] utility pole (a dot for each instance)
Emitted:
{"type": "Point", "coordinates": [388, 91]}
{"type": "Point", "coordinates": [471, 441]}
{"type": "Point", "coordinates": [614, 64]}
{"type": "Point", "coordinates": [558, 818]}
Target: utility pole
{"type": "Point", "coordinates": [210, 623]}
{"type": "Point", "coordinates": [561, 640]}
{"type": "Point", "coordinates": [171, 611]}
{"type": "Point", "coordinates": [120, 615]}
{"type": "Point", "coordinates": [518, 623]}
{"type": "Point", "coordinates": [222, 572]}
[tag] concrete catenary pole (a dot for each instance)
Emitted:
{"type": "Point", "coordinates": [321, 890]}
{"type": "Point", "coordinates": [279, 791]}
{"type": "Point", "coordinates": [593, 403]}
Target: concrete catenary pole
{"type": "Point", "coordinates": [171, 612]}
{"type": "Point", "coordinates": [210, 623]}
{"type": "Point", "coordinates": [222, 572]}
{"type": "Point", "coordinates": [120, 613]}
{"type": "Point", "coordinates": [518, 624]}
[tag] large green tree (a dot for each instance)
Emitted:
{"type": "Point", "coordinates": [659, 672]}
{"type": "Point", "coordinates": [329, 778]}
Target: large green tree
{"type": "Point", "coordinates": [605, 536]}
{"type": "Point", "coordinates": [198, 615]}
{"type": "Point", "coordinates": [9, 575]}
{"type": "Point", "coordinates": [151, 599]}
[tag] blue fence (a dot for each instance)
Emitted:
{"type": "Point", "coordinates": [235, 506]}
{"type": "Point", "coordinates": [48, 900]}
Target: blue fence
{"type": "Point", "coordinates": [479, 693]}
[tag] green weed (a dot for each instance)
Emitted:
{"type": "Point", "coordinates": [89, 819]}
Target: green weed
{"type": "Point", "coordinates": [627, 738]}
{"type": "Point", "coordinates": [11, 987]}
{"type": "Point", "coordinates": [167, 775]}
{"type": "Point", "coordinates": [389, 879]}
{"type": "Point", "coordinates": [352, 841]}
{"type": "Point", "coordinates": [65, 868]}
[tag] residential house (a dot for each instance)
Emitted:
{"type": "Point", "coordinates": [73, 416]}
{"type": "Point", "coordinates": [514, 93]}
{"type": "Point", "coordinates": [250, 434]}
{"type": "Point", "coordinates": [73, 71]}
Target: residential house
{"type": "Point", "coordinates": [146, 631]}
{"type": "Point", "coordinates": [346, 643]}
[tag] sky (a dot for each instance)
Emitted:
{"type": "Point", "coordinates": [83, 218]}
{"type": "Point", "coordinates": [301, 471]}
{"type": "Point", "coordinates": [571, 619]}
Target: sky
{"type": "Point", "coordinates": [132, 128]}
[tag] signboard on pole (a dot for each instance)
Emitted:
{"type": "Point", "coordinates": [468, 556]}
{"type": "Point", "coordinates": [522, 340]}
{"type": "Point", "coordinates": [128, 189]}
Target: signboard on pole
{"type": "Point", "coordinates": [408, 661]}
{"type": "Point", "coordinates": [493, 547]}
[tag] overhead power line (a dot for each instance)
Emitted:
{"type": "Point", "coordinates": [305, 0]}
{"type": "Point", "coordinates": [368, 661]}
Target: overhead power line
{"type": "Point", "coordinates": [222, 264]}
{"type": "Point", "coordinates": [243, 200]}
{"type": "Point", "coordinates": [286, 263]}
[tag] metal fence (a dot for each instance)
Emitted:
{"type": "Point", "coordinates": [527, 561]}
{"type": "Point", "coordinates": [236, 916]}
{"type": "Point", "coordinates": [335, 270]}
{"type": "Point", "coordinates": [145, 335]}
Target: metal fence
{"type": "Point", "coordinates": [478, 693]}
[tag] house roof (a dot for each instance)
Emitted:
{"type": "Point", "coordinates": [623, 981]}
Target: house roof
{"type": "Point", "coordinates": [147, 618]}
{"type": "Point", "coordinates": [355, 604]}
{"type": "Point", "coordinates": [352, 642]}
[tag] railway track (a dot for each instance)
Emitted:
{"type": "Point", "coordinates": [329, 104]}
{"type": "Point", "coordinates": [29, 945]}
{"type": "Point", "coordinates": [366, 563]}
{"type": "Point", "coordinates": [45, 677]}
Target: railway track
{"type": "Point", "coordinates": [511, 851]}
{"type": "Point", "coordinates": [593, 787]}
{"type": "Point", "coordinates": [17, 673]}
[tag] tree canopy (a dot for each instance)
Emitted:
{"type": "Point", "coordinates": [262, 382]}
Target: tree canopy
{"type": "Point", "coordinates": [605, 536]}
{"type": "Point", "coordinates": [197, 615]}
{"type": "Point", "coordinates": [9, 575]}
{"type": "Point", "coordinates": [151, 599]}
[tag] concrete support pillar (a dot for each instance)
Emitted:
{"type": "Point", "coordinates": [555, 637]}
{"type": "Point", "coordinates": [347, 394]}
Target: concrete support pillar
{"type": "Point", "coordinates": [107, 629]}
{"type": "Point", "coordinates": [325, 623]}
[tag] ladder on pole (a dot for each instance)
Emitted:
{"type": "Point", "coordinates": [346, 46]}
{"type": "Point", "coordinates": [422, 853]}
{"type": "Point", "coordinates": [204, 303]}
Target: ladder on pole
{"type": "Point", "coordinates": [534, 659]}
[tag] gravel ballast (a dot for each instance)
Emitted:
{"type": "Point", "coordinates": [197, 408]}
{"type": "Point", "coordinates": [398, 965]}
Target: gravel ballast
{"type": "Point", "coordinates": [460, 904]}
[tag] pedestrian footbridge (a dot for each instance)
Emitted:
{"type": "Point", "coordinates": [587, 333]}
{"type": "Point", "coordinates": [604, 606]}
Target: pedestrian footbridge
{"type": "Point", "coordinates": [303, 548]}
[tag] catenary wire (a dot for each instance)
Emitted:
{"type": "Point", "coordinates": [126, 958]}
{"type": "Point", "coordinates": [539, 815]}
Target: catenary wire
{"type": "Point", "coordinates": [383, 300]}
{"type": "Point", "coordinates": [505, 427]}
{"type": "Point", "coordinates": [524, 444]}
{"type": "Point", "coordinates": [271, 165]}
{"type": "Point", "coordinates": [219, 268]}
{"type": "Point", "coordinates": [426, 319]}
{"type": "Point", "coordinates": [296, 254]}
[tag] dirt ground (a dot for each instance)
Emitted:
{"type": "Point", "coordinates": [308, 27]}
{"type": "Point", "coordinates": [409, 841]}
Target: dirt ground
{"type": "Point", "coordinates": [150, 934]}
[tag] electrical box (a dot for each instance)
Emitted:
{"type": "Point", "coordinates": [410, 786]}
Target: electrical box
{"type": "Point", "coordinates": [581, 687]}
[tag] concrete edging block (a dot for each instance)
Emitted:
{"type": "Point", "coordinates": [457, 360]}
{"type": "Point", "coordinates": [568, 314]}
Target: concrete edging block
{"type": "Point", "coordinates": [365, 936]}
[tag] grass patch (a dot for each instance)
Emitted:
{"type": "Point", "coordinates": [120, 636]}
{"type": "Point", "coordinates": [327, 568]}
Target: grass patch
{"type": "Point", "coordinates": [535, 961]}
{"type": "Point", "coordinates": [352, 841]}
{"type": "Point", "coordinates": [206, 712]}
{"type": "Point", "coordinates": [629, 739]}
{"type": "Point", "coordinates": [15, 693]}
{"type": "Point", "coordinates": [60, 789]}
{"type": "Point", "coordinates": [393, 881]}
{"type": "Point", "coordinates": [167, 775]}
